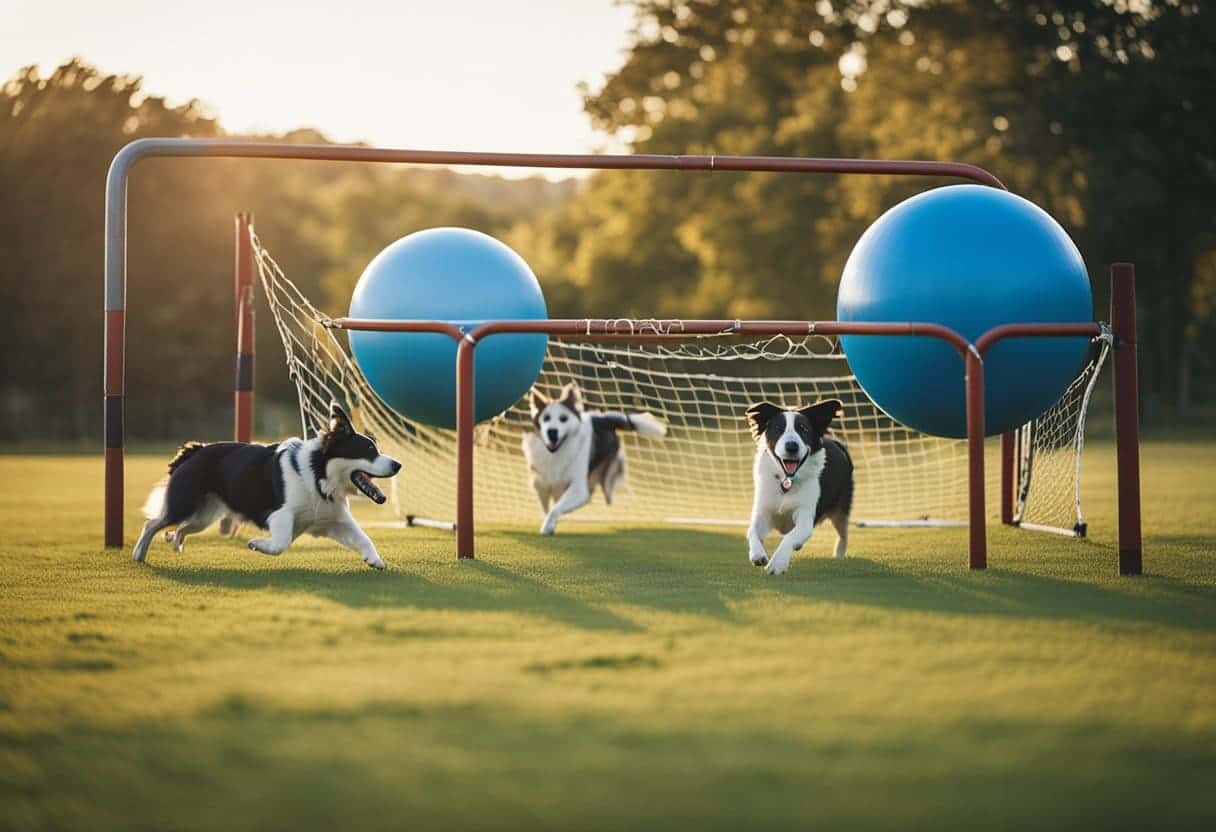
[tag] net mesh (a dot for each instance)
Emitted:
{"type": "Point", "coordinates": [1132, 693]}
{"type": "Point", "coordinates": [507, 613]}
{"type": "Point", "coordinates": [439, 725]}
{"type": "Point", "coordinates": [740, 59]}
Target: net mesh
{"type": "Point", "coordinates": [1049, 453]}
{"type": "Point", "coordinates": [701, 389]}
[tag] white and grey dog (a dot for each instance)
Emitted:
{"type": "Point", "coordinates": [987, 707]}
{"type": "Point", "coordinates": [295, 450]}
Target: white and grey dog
{"type": "Point", "coordinates": [291, 488]}
{"type": "Point", "coordinates": [801, 476]}
{"type": "Point", "coordinates": [572, 451]}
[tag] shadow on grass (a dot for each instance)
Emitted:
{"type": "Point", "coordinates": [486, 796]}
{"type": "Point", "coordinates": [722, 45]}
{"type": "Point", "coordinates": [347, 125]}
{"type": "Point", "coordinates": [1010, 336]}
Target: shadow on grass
{"type": "Point", "coordinates": [998, 592]}
{"type": "Point", "coordinates": [501, 591]}
{"type": "Point", "coordinates": [631, 566]}
{"type": "Point", "coordinates": [573, 577]}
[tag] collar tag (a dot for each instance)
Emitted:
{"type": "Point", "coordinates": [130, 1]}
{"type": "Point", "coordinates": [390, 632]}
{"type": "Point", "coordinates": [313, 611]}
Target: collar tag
{"type": "Point", "coordinates": [787, 479]}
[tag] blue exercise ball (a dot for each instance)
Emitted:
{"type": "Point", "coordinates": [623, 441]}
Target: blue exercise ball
{"type": "Point", "coordinates": [456, 275]}
{"type": "Point", "coordinates": [969, 257]}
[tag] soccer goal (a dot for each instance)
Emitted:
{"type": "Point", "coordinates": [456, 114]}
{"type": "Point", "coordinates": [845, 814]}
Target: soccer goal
{"type": "Point", "coordinates": [699, 376]}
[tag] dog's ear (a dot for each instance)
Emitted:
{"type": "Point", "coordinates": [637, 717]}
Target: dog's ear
{"type": "Point", "coordinates": [821, 414]}
{"type": "Point", "coordinates": [760, 415]}
{"type": "Point", "coordinates": [536, 404]}
{"type": "Point", "coordinates": [571, 397]}
{"type": "Point", "coordinates": [339, 422]}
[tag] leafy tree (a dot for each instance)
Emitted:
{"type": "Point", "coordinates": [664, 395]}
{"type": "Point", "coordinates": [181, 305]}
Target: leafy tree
{"type": "Point", "coordinates": [322, 221]}
{"type": "Point", "coordinates": [1095, 109]}
{"type": "Point", "coordinates": [58, 134]}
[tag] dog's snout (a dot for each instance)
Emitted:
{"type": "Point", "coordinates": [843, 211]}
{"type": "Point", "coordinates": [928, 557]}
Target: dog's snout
{"type": "Point", "coordinates": [552, 435]}
{"type": "Point", "coordinates": [791, 447]}
{"type": "Point", "coordinates": [396, 466]}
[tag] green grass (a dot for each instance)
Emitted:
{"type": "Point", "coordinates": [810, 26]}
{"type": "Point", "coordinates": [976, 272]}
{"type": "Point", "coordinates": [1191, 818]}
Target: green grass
{"type": "Point", "coordinates": [607, 678]}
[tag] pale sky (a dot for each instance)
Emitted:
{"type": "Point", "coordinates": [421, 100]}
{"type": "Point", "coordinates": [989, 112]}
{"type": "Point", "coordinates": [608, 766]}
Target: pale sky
{"type": "Point", "coordinates": [472, 75]}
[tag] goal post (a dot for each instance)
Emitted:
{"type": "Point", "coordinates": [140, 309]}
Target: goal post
{"type": "Point", "coordinates": [251, 260]}
{"type": "Point", "coordinates": [243, 387]}
{"type": "Point", "coordinates": [1127, 416]}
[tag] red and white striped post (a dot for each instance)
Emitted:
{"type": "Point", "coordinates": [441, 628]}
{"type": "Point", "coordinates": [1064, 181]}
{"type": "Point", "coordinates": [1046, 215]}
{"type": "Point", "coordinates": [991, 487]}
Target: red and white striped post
{"type": "Point", "coordinates": [243, 404]}
{"type": "Point", "coordinates": [113, 415]}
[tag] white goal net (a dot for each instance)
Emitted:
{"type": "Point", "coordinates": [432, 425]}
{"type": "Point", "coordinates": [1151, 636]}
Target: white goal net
{"type": "Point", "coordinates": [700, 472]}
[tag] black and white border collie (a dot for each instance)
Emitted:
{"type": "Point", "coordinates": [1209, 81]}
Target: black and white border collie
{"type": "Point", "coordinates": [801, 476]}
{"type": "Point", "coordinates": [572, 451]}
{"type": "Point", "coordinates": [291, 488]}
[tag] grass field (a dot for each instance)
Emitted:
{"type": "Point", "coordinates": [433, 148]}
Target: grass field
{"type": "Point", "coordinates": [608, 678]}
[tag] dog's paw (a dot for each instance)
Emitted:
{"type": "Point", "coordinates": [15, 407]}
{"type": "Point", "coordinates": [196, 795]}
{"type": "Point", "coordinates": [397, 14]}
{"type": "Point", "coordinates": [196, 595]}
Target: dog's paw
{"type": "Point", "coordinates": [758, 558]}
{"type": "Point", "coordinates": [265, 546]}
{"type": "Point", "coordinates": [374, 562]}
{"type": "Point", "coordinates": [778, 564]}
{"type": "Point", "coordinates": [548, 528]}
{"type": "Point", "coordinates": [169, 535]}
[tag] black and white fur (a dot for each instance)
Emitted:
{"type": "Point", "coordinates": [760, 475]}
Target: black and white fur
{"type": "Point", "coordinates": [801, 476]}
{"type": "Point", "coordinates": [572, 451]}
{"type": "Point", "coordinates": [290, 488]}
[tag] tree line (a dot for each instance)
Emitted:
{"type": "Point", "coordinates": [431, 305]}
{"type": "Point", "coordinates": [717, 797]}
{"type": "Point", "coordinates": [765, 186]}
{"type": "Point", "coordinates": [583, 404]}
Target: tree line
{"type": "Point", "coordinates": [1098, 110]}
{"type": "Point", "coordinates": [322, 222]}
{"type": "Point", "coordinates": [1101, 111]}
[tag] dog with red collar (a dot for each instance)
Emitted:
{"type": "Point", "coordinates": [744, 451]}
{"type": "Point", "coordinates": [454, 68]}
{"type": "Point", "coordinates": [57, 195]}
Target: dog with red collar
{"type": "Point", "coordinates": [801, 476]}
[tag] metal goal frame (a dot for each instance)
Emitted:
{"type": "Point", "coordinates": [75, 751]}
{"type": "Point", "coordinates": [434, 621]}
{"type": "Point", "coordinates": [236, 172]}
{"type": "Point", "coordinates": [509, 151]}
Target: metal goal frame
{"type": "Point", "coordinates": [1122, 323]}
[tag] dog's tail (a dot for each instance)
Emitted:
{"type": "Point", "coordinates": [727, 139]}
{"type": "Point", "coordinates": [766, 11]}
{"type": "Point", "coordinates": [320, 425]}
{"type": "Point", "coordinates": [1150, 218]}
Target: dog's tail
{"type": "Point", "coordinates": [645, 424]}
{"type": "Point", "coordinates": [183, 453]}
{"type": "Point", "coordinates": [154, 506]}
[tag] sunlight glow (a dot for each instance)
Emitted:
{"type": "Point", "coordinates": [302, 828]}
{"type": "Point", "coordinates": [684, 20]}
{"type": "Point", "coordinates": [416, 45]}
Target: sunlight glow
{"type": "Point", "coordinates": [482, 75]}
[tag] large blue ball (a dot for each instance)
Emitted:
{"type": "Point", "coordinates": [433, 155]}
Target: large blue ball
{"type": "Point", "coordinates": [968, 257]}
{"type": "Point", "coordinates": [447, 274]}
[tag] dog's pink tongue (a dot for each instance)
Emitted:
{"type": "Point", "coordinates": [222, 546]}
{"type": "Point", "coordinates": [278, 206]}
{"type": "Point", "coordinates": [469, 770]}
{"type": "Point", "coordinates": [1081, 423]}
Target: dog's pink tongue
{"type": "Point", "coordinates": [791, 465]}
{"type": "Point", "coordinates": [364, 483]}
